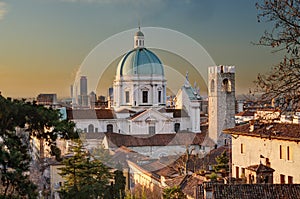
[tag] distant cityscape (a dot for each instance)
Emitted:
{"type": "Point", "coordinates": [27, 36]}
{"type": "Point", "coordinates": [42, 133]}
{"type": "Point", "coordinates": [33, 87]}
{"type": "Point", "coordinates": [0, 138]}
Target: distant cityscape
{"type": "Point", "coordinates": [177, 140]}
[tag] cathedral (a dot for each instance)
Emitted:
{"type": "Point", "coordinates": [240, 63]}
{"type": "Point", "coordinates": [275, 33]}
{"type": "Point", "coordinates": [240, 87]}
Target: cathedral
{"type": "Point", "coordinates": [138, 105]}
{"type": "Point", "coordinates": [139, 100]}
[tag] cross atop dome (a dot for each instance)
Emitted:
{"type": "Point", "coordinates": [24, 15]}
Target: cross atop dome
{"type": "Point", "coordinates": [139, 39]}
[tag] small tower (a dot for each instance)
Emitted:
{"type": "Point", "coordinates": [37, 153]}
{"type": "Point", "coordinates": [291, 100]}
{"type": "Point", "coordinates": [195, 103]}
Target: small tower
{"type": "Point", "coordinates": [221, 102]}
{"type": "Point", "coordinates": [139, 39]}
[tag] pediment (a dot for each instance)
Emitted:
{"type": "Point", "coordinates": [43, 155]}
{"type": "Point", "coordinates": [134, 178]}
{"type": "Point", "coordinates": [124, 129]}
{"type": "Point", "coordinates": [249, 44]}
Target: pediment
{"type": "Point", "coordinates": [151, 115]}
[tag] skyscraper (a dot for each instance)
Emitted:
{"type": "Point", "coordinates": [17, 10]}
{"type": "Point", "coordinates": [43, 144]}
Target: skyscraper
{"type": "Point", "coordinates": [83, 96]}
{"type": "Point", "coordinates": [83, 85]}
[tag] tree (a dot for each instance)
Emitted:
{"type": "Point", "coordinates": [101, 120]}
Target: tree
{"type": "Point", "coordinates": [173, 193]}
{"type": "Point", "coordinates": [119, 186]}
{"type": "Point", "coordinates": [282, 83]}
{"type": "Point", "coordinates": [85, 176]}
{"type": "Point", "coordinates": [222, 162]}
{"type": "Point", "coordinates": [20, 121]}
{"type": "Point", "coordinates": [14, 156]}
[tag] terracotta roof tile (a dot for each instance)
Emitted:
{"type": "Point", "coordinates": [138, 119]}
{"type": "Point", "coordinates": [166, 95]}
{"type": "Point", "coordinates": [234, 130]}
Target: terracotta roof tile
{"type": "Point", "coordinates": [260, 168]}
{"type": "Point", "coordinates": [117, 140]}
{"type": "Point", "coordinates": [90, 114]}
{"type": "Point", "coordinates": [245, 113]}
{"type": "Point", "coordinates": [254, 191]}
{"type": "Point", "coordinates": [281, 131]}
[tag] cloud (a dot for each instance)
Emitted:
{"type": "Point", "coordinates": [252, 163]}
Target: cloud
{"type": "Point", "coordinates": [3, 9]}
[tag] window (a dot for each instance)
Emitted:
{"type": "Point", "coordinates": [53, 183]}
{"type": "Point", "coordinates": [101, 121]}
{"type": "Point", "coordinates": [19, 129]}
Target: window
{"type": "Point", "coordinates": [96, 130]}
{"type": "Point", "coordinates": [151, 129]}
{"type": "Point", "coordinates": [126, 96]}
{"type": "Point", "coordinates": [109, 128]}
{"type": "Point", "coordinates": [282, 179]}
{"type": "Point", "coordinates": [91, 128]}
{"type": "Point", "coordinates": [177, 127]}
{"type": "Point", "coordinates": [212, 86]}
{"type": "Point", "coordinates": [85, 130]}
{"type": "Point", "coordinates": [159, 96]}
{"type": "Point", "coordinates": [288, 153]}
{"type": "Point", "coordinates": [145, 96]}
{"type": "Point", "coordinates": [280, 152]}
{"type": "Point", "coordinates": [242, 148]}
{"type": "Point", "coordinates": [136, 42]}
{"type": "Point", "coordinates": [227, 85]}
{"type": "Point", "coordinates": [290, 179]}
{"type": "Point", "coordinates": [237, 172]}
{"type": "Point", "coordinates": [243, 171]}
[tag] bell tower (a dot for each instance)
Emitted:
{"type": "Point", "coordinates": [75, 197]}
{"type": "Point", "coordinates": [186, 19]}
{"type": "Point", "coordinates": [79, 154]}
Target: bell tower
{"type": "Point", "coordinates": [221, 101]}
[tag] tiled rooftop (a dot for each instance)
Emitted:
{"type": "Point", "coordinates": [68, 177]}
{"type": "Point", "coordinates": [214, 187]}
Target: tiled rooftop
{"type": "Point", "coordinates": [281, 131]}
{"type": "Point", "coordinates": [255, 191]}
{"type": "Point", "coordinates": [117, 140]}
{"type": "Point", "coordinates": [90, 114]}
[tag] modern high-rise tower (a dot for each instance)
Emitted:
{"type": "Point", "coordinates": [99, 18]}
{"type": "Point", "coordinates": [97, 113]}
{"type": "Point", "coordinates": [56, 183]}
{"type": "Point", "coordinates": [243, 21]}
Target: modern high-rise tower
{"type": "Point", "coordinates": [83, 85]}
{"type": "Point", "coordinates": [83, 97]}
{"type": "Point", "coordinates": [221, 94]}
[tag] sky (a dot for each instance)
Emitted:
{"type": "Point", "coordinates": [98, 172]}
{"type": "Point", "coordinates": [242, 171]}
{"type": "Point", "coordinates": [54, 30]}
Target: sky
{"type": "Point", "coordinates": [44, 42]}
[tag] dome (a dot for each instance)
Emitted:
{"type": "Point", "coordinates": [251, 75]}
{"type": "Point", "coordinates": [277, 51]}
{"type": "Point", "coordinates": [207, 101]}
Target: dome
{"type": "Point", "coordinates": [139, 33]}
{"type": "Point", "coordinates": [140, 61]}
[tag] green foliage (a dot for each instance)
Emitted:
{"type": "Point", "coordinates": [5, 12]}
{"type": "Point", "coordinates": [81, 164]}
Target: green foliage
{"type": "Point", "coordinates": [19, 122]}
{"type": "Point", "coordinates": [213, 176]}
{"type": "Point", "coordinates": [85, 176]}
{"type": "Point", "coordinates": [173, 193]}
{"type": "Point", "coordinates": [119, 186]}
{"type": "Point", "coordinates": [222, 162]}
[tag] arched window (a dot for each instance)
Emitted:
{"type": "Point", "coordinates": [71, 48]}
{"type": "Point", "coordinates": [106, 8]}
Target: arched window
{"type": "Point", "coordinates": [227, 85]}
{"type": "Point", "coordinates": [212, 86]}
{"type": "Point", "coordinates": [91, 128]}
{"type": "Point", "coordinates": [177, 127]}
{"type": "Point", "coordinates": [109, 128]}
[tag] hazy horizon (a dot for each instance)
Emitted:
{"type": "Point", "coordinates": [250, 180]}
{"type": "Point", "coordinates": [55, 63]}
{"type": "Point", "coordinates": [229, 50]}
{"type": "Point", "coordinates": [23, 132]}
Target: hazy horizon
{"type": "Point", "coordinates": [43, 42]}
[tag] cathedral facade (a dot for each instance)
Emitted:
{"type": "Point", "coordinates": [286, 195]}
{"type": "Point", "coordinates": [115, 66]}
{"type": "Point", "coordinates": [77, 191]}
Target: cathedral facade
{"type": "Point", "coordinates": [139, 100]}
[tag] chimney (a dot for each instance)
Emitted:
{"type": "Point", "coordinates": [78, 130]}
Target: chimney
{"type": "Point", "coordinates": [251, 126]}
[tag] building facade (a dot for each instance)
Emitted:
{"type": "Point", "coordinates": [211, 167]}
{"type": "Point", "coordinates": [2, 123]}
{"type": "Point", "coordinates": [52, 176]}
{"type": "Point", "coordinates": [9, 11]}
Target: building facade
{"type": "Point", "coordinates": [273, 145]}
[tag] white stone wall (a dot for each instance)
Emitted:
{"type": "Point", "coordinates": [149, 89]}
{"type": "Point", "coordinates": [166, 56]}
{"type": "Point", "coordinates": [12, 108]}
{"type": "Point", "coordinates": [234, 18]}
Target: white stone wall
{"type": "Point", "coordinates": [268, 148]}
{"type": "Point", "coordinates": [83, 124]}
{"type": "Point", "coordinates": [192, 108]}
{"type": "Point", "coordinates": [135, 84]}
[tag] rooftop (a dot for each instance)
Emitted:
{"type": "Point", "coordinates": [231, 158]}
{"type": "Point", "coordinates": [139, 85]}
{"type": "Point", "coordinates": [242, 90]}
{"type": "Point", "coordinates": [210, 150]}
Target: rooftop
{"type": "Point", "coordinates": [280, 131]}
{"type": "Point", "coordinates": [90, 114]}
{"type": "Point", "coordinates": [117, 140]}
{"type": "Point", "coordinates": [254, 191]}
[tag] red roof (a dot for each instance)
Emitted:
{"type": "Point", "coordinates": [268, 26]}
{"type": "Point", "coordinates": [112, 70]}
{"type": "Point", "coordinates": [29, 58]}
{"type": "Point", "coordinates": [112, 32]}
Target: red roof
{"type": "Point", "coordinates": [281, 131]}
{"type": "Point", "coordinates": [245, 113]}
{"type": "Point", "coordinates": [117, 140]}
{"type": "Point", "coordinates": [90, 114]}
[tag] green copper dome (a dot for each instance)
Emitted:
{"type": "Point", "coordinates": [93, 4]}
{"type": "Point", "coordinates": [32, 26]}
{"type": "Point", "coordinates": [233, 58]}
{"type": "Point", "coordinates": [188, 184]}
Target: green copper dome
{"type": "Point", "coordinates": [140, 61]}
{"type": "Point", "coordinates": [139, 33]}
